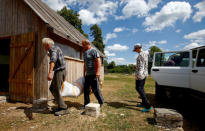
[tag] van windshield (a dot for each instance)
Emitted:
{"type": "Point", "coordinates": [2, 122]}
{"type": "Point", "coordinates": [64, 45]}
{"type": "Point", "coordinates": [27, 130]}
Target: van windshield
{"type": "Point", "coordinates": [180, 59]}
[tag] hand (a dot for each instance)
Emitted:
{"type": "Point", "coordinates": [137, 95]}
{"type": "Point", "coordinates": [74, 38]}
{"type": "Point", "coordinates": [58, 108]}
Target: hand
{"type": "Point", "coordinates": [97, 75]}
{"type": "Point", "coordinates": [50, 76]}
{"type": "Point", "coordinates": [134, 67]}
{"type": "Point", "coordinates": [138, 78]}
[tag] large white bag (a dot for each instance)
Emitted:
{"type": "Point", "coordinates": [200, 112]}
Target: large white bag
{"type": "Point", "coordinates": [74, 89]}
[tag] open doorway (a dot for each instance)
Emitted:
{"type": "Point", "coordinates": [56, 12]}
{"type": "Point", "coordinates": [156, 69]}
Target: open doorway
{"type": "Point", "coordinates": [4, 64]}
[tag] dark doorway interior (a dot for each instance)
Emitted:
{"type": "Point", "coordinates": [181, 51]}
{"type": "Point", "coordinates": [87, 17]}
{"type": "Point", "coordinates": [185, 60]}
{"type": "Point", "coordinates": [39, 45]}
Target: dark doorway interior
{"type": "Point", "coordinates": [4, 64]}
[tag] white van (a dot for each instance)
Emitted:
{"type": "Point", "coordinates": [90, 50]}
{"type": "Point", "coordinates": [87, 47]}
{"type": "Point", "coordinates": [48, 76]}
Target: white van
{"type": "Point", "coordinates": [179, 73]}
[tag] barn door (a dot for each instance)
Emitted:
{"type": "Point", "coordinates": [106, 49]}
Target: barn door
{"type": "Point", "coordinates": [21, 75]}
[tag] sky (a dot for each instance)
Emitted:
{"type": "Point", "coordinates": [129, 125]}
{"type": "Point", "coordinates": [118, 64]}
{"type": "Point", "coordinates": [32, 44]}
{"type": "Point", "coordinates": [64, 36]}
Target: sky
{"type": "Point", "coordinates": [167, 24]}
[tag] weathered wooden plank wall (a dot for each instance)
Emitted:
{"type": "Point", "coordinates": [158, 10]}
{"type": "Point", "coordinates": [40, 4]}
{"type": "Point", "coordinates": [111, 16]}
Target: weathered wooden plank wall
{"type": "Point", "coordinates": [17, 18]}
{"type": "Point", "coordinates": [74, 69]}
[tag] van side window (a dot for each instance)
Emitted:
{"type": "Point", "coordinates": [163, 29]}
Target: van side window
{"type": "Point", "coordinates": [179, 59]}
{"type": "Point", "coordinates": [201, 58]}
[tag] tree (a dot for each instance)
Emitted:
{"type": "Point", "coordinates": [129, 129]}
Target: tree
{"type": "Point", "coordinates": [152, 50]}
{"type": "Point", "coordinates": [111, 65]}
{"type": "Point", "coordinates": [105, 66]}
{"type": "Point", "coordinates": [96, 32]}
{"type": "Point", "coordinates": [73, 18]}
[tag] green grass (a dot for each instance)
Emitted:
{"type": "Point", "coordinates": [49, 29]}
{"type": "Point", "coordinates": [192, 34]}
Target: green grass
{"type": "Point", "coordinates": [121, 113]}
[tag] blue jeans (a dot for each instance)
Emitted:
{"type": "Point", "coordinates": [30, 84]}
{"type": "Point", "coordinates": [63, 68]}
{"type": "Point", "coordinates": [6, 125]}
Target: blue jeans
{"type": "Point", "coordinates": [92, 81]}
{"type": "Point", "coordinates": [140, 90]}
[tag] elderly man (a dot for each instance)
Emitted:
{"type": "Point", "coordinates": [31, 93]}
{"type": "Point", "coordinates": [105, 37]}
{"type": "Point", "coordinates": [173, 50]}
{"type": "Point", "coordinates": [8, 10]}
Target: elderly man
{"type": "Point", "coordinates": [91, 72]}
{"type": "Point", "coordinates": [58, 65]}
{"type": "Point", "coordinates": [141, 74]}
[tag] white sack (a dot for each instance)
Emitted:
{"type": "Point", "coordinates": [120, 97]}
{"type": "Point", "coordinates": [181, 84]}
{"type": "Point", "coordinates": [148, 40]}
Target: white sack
{"type": "Point", "coordinates": [74, 89]}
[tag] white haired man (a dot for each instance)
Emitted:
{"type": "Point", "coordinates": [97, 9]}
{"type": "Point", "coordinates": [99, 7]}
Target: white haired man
{"type": "Point", "coordinates": [141, 74]}
{"type": "Point", "coordinates": [58, 65]}
{"type": "Point", "coordinates": [92, 67]}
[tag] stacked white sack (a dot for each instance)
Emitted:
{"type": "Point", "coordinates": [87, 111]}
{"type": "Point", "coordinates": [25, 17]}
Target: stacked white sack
{"type": "Point", "coordinates": [73, 90]}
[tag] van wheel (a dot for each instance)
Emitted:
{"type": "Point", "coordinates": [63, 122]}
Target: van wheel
{"type": "Point", "coordinates": [160, 92]}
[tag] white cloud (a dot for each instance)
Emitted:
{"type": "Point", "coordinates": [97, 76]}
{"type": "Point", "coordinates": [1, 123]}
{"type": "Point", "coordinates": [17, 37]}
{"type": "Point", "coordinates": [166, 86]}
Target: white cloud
{"type": "Point", "coordinates": [109, 36]}
{"type": "Point", "coordinates": [190, 46]}
{"type": "Point", "coordinates": [153, 3]}
{"type": "Point", "coordinates": [86, 14]}
{"type": "Point", "coordinates": [162, 42]}
{"type": "Point", "coordinates": [196, 35]}
{"type": "Point", "coordinates": [96, 11]}
{"type": "Point", "coordinates": [107, 53]}
{"type": "Point", "coordinates": [177, 31]}
{"type": "Point", "coordinates": [168, 16]}
{"type": "Point", "coordinates": [118, 47]}
{"type": "Point", "coordinates": [152, 43]}
{"type": "Point", "coordinates": [119, 29]}
{"type": "Point", "coordinates": [137, 8]}
{"type": "Point", "coordinates": [55, 4]}
{"type": "Point", "coordinates": [131, 9]}
{"type": "Point", "coordinates": [118, 61]}
{"type": "Point", "coordinates": [198, 16]}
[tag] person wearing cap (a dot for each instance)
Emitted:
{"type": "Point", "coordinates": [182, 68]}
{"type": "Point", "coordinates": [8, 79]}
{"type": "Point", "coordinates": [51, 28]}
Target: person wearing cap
{"type": "Point", "coordinates": [141, 74]}
{"type": "Point", "coordinates": [92, 65]}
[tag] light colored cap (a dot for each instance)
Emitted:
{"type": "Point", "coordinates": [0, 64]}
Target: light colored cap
{"type": "Point", "coordinates": [137, 46]}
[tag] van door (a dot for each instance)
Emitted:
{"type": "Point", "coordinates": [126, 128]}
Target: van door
{"type": "Point", "coordinates": [198, 72]}
{"type": "Point", "coordinates": [172, 68]}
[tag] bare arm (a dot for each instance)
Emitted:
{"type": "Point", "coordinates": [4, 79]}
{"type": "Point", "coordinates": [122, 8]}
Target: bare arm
{"type": "Point", "coordinates": [84, 71]}
{"type": "Point", "coordinates": [98, 66]}
{"type": "Point", "coordinates": [50, 73]}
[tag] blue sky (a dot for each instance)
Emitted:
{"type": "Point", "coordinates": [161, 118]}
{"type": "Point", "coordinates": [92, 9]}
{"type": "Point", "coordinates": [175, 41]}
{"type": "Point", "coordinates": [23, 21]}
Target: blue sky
{"type": "Point", "coordinates": [170, 25]}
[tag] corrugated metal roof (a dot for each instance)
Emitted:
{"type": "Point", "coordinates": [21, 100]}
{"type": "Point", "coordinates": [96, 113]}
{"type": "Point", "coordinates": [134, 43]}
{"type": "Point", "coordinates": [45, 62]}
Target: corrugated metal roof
{"type": "Point", "coordinates": [58, 23]}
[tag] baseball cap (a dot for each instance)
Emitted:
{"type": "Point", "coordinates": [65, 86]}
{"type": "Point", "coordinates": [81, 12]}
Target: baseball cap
{"type": "Point", "coordinates": [137, 46]}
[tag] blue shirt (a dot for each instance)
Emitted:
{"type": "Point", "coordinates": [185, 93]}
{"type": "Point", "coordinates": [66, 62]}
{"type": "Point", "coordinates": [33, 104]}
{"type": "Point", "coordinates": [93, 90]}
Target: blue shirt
{"type": "Point", "coordinates": [56, 56]}
{"type": "Point", "coordinates": [89, 58]}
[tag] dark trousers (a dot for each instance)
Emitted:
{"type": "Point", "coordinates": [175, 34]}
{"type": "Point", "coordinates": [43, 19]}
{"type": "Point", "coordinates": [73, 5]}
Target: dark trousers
{"type": "Point", "coordinates": [55, 88]}
{"type": "Point", "coordinates": [94, 83]}
{"type": "Point", "coordinates": [140, 90]}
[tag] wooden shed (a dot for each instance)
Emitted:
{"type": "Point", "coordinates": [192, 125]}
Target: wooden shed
{"type": "Point", "coordinates": [23, 61]}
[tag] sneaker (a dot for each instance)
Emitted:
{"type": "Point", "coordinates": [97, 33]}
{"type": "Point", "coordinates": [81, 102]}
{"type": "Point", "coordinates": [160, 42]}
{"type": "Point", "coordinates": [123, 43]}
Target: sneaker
{"type": "Point", "coordinates": [82, 108]}
{"type": "Point", "coordinates": [101, 105]}
{"type": "Point", "coordinates": [55, 110]}
{"type": "Point", "coordinates": [62, 112]}
{"type": "Point", "coordinates": [147, 110]}
{"type": "Point", "coordinates": [139, 105]}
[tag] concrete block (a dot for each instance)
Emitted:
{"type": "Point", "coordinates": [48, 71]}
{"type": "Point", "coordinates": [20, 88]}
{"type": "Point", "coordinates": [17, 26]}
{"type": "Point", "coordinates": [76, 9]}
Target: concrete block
{"type": "Point", "coordinates": [39, 104]}
{"type": "Point", "coordinates": [3, 99]}
{"type": "Point", "coordinates": [168, 118]}
{"type": "Point", "coordinates": [92, 109]}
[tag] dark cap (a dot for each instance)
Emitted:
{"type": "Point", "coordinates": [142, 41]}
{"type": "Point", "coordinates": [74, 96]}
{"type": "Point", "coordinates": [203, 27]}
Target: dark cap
{"type": "Point", "coordinates": [137, 46]}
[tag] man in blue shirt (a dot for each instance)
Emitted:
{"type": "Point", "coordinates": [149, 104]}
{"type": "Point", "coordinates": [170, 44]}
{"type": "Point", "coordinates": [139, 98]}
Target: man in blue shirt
{"type": "Point", "coordinates": [58, 65]}
{"type": "Point", "coordinates": [92, 65]}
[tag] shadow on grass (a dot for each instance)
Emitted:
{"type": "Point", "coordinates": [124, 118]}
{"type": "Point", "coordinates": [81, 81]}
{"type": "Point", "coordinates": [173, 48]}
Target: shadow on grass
{"type": "Point", "coordinates": [28, 111]}
{"type": "Point", "coordinates": [122, 105]}
{"type": "Point", "coordinates": [76, 105]}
